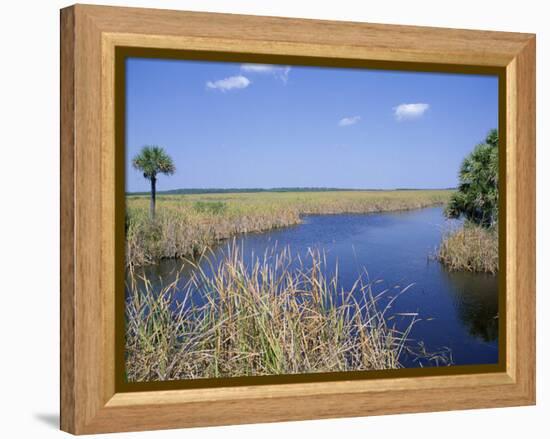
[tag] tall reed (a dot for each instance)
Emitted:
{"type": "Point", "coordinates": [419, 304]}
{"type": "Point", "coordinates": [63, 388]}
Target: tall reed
{"type": "Point", "coordinates": [277, 315]}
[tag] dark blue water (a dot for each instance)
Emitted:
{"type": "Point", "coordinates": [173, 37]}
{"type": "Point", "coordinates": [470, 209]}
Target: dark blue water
{"type": "Point", "coordinates": [458, 311]}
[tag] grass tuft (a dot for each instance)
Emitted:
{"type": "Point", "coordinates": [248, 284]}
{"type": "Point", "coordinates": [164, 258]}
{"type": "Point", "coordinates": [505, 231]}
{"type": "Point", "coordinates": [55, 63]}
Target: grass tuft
{"type": "Point", "coordinates": [470, 248]}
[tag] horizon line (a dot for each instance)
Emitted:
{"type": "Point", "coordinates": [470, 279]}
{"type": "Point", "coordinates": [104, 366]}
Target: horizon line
{"type": "Point", "coordinates": [283, 188]}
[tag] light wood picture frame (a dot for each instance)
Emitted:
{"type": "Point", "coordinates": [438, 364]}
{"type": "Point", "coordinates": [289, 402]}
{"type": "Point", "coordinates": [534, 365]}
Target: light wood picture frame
{"type": "Point", "coordinates": [92, 399]}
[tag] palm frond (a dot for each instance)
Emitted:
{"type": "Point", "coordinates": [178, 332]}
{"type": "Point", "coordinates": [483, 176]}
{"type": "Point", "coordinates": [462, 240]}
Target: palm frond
{"type": "Point", "coordinates": [153, 160]}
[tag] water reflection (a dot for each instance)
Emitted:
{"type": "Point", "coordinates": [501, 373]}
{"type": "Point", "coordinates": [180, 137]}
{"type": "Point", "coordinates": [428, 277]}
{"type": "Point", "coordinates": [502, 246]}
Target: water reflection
{"type": "Point", "coordinates": [476, 303]}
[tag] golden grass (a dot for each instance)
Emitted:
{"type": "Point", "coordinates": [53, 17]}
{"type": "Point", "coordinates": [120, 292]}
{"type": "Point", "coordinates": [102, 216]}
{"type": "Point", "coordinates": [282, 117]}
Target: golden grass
{"type": "Point", "coordinates": [186, 225]}
{"type": "Point", "coordinates": [264, 319]}
{"type": "Point", "coordinates": [470, 248]}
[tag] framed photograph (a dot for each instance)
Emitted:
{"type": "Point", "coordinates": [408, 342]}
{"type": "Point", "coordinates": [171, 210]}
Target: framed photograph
{"type": "Point", "coordinates": [267, 219]}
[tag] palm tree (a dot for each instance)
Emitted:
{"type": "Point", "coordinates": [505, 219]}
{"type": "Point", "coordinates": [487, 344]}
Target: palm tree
{"type": "Point", "coordinates": [477, 195]}
{"type": "Point", "coordinates": [153, 160]}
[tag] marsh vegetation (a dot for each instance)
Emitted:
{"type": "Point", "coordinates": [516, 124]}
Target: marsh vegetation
{"type": "Point", "coordinates": [186, 225]}
{"type": "Point", "coordinates": [267, 317]}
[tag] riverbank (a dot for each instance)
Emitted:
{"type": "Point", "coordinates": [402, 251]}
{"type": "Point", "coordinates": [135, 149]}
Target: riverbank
{"type": "Point", "coordinates": [186, 225]}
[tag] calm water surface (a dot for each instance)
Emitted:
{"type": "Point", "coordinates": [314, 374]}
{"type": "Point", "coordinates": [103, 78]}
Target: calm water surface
{"type": "Point", "coordinates": [459, 310]}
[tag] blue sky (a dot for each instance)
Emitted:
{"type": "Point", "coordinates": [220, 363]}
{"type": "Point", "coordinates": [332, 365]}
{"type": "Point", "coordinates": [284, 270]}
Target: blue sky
{"type": "Point", "coordinates": [232, 125]}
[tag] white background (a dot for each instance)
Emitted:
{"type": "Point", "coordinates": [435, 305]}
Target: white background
{"type": "Point", "coordinates": [29, 218]}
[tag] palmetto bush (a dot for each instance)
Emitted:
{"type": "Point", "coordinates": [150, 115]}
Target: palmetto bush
{"type": "Point", "coordinates": [477, 196]}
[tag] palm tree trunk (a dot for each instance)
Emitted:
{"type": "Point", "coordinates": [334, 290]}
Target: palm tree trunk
{"type": "Point", "coordinates": [153, 197]}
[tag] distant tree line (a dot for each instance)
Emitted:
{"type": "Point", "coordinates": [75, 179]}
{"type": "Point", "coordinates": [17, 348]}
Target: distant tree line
{"type": "Point", "coordinates": [199, 191]}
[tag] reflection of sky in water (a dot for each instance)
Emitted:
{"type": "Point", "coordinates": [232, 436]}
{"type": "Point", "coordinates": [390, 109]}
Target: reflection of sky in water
{"type": "Point", "coordinates": [459, 310]}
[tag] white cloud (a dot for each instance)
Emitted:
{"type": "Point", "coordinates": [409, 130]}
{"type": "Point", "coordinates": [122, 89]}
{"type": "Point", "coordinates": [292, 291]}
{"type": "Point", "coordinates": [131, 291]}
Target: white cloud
{"type": "Point", "coordinates": [410, 111]}
{"type": "Point", "coordinates": [229, 83]}
{"type": "Point", "coordinates": [280, 72]}
{"type": "Point", "coordinates": [258, 68]}
{"type": "Point", "coordinates": [347, 121]}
